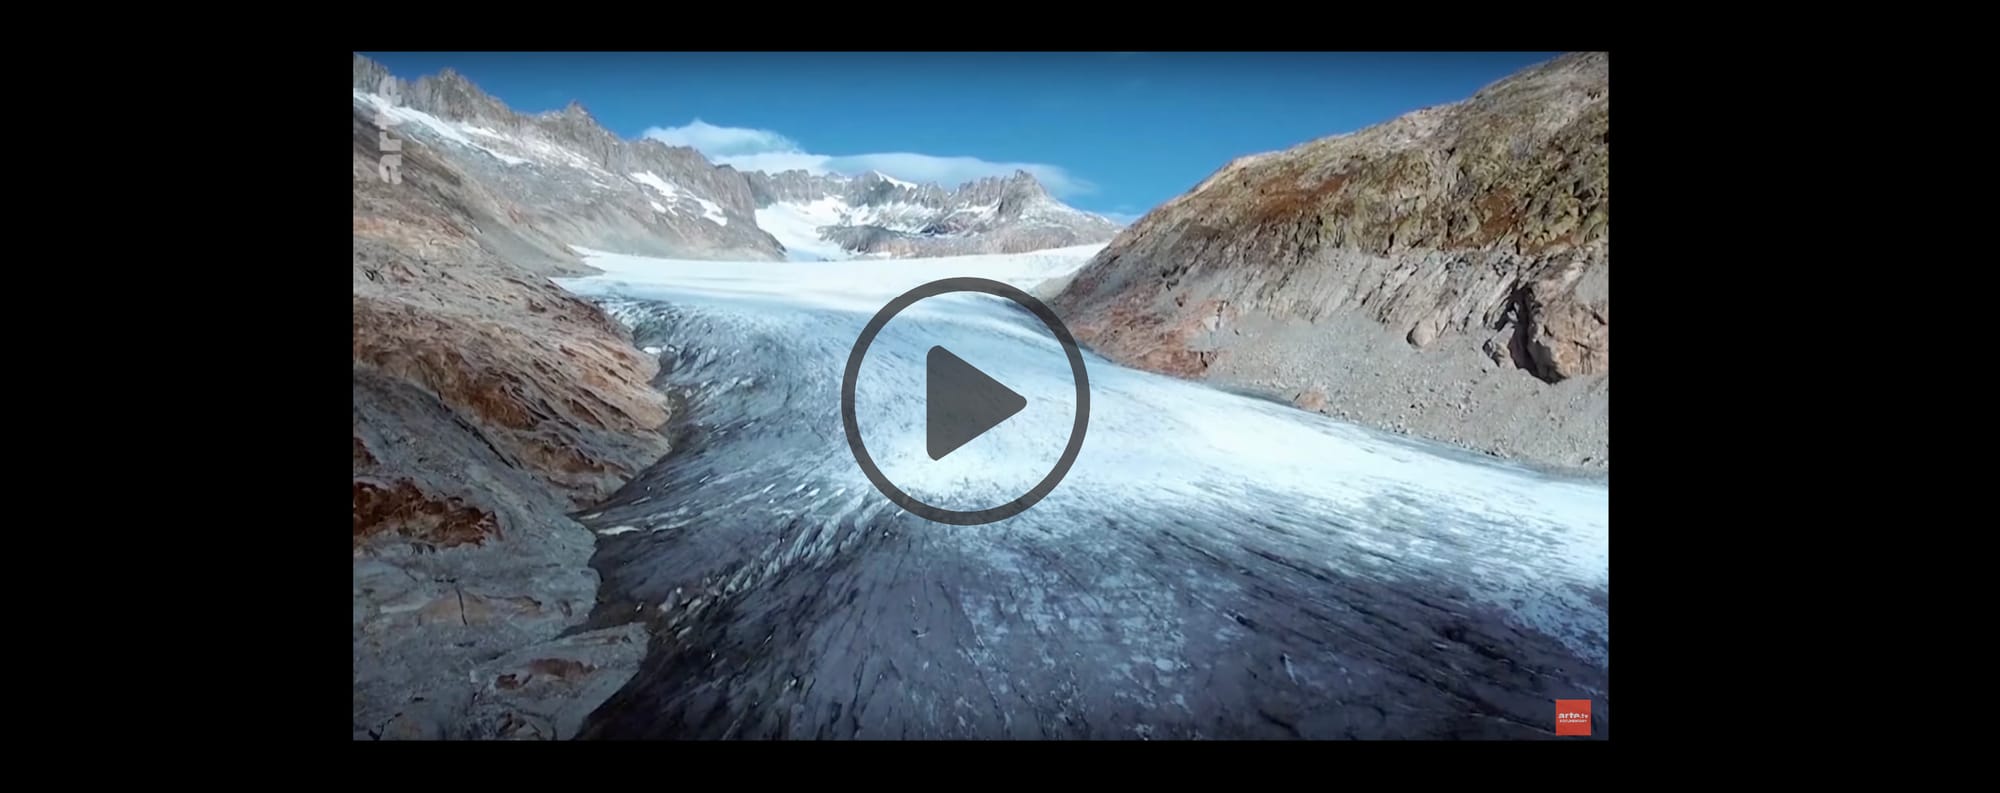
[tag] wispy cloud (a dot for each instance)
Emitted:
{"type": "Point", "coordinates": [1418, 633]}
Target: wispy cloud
{"type": "Point", "coordinates": [717, 141]}
{"type": "Point", "coordinates": [750, 149]}
{"type": "Point", "coordinates": [1124, 215]}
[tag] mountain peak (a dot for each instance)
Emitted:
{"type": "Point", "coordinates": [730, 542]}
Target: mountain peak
{"type": "Point", "coordinates": [872, 176]}
{"type": "Point", "coordinates": [450, 94]}
{"type": "Point", "coordinates": [369, 74]}
{"type": "Point", "coordinates": [1025, 184]}
{"type": "Point", "coordinates": [574, 111]}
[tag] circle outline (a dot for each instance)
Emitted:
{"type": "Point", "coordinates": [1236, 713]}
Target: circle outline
{"type": "Point", "coordinates": [896, 494]}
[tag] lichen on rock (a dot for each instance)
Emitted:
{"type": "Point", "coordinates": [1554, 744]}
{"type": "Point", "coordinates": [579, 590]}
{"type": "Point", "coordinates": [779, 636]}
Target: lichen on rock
{"type": "Point", "coordinates": [1470, 234]}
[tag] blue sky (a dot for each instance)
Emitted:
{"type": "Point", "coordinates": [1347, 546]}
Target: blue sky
{"type": "Point", "coordinates": [1115, 133]}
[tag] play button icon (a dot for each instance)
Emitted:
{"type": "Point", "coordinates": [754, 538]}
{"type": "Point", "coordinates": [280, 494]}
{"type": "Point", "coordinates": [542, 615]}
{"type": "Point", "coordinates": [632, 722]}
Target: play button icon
{"type": "Point", "coordinates": [963, 404]}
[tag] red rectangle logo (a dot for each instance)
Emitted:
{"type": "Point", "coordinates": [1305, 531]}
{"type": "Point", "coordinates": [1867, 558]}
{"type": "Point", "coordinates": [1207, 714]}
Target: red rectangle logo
{"type": "Point", "coordinates": [1572, 717]}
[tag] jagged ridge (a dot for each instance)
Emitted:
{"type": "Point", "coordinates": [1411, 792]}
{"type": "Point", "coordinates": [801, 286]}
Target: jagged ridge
{"type": "Point", "coordinates": [871, 213]}
{"type": "Point", "coordinates": [563, 174]}
{"type": "Point", "coordinates": [1482, 226]}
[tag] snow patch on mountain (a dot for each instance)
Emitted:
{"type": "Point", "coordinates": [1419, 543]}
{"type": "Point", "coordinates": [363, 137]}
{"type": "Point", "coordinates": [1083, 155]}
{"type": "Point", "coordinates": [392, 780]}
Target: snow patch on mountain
{"type": "Point", "coordinates": [796, 226]}
{"type": "Point", "coordinates": [455, 133]}
{"type": "Point", "coordinates": [874, 213]}
{"type": "Point", "coordinates": [895, 181]}
{"type": "Point", "coordinates": [673, 193]}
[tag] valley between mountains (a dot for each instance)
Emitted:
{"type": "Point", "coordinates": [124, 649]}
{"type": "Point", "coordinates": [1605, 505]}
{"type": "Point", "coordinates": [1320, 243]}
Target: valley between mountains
{"type": "Point", "coordinates": [1347, 474]}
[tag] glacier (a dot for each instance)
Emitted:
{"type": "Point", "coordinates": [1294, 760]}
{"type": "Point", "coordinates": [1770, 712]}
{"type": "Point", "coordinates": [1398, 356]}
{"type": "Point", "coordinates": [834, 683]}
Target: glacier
{"type": "Point", "coordinates": [1215, 565]}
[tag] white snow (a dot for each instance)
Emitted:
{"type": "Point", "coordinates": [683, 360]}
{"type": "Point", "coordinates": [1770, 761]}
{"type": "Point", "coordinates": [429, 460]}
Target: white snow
{"type": "Point", "coordinates": [547, 152]}
{"type": "Point", "coordinates": [657, 207]}
{"type": "Point", "coordinates": [898, 216]}
{"type": "Point", "coordinates": [661, 186]}
{"type": "Point", "coordinates": [1156, 445]}
{"type": "Point", "coordinates": [853, 283]}
{"type": "Point", "coordinates": [1049, 212]}
{"type": "Point", "coordinates": [538, 150]}
{"type": "Point", "coordinates": [673, 193]}
{"type": "Point", "coordinates": [895, 181]}
{"type": "Point", "coordinates": [711, 210]}
{"type": "Point", "coordinates": [796, 226]}
{"type": "Point", "coordinates": [398, 114]}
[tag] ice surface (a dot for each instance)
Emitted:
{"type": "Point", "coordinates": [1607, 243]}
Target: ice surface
{"type": "Point", "coordinates": [850, 284]}
{"type": "Point", "coordinates": [1151, 438]}
{"type": "Point", "coordinates": [1213, 565]}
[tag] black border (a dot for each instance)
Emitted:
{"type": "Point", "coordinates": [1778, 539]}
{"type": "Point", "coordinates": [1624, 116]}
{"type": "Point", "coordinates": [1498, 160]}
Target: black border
{"type": "Point", "coordinates": [1678, 684]}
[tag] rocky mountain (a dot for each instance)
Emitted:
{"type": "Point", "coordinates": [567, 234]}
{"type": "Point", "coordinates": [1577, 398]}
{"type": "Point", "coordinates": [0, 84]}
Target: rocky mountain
{"type": "Point", "coordinates": [564, 176]}
{"type": "Point", "coordinates": [1444, 274]}
{"type": "Point", "coordinates": [831, 216]}
{"type": "Point", "coordinates": [489, 404]}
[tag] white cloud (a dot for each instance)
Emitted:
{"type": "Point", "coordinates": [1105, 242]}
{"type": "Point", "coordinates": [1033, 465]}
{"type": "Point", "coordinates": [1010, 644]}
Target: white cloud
{"type": "Point", "coordinates": [717, 141]}
{"type": "Point", "coordinates": [1122, 218]}
{"type": "Point", "coordinates": [750, 149]}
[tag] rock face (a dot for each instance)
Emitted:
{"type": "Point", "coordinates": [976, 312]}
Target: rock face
{"type": "Point", "coordinates": [562, 175]}
{"type": "Point", "coordinates": [875, 214]}
{"type": "Point", "coordinates": [1444, 274]}
{"type": "Point", "coordinates": [488, 404]}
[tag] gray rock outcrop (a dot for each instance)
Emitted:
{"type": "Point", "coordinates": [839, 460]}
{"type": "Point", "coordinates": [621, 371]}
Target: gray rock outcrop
{"type": "Point", "coordinates": [1444, 274]}
{"type": "Point", "coordinates": [565, 176]}
{"type": "Point", "coordinates": [488, 405]}
{"type": "Point", "coordinates": [878, 215]}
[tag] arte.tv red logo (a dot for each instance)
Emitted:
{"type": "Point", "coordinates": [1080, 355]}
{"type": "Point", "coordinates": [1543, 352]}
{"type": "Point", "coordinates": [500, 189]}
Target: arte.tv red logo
{"type": "Point", "coordinates": [1572, 717]}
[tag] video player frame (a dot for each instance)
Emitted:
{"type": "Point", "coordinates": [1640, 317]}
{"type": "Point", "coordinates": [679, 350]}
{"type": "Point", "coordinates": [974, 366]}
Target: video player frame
{"type": "Point", "coordinates": [686, 410]}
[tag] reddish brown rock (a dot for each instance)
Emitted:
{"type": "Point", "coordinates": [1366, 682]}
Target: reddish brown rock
{"type": "Point", "coordinates": [1442, 230]}
{"type": "Point", "coordinates": [402, 508]}
{"type": "Point", "coordinates": [570, 403]}
{"type": "Point", "coordinates": [1313, 399]}
{"type": "Point", "coordinates": [1568, 333]}
{"type": "Point", "coordinates": [488, 403]}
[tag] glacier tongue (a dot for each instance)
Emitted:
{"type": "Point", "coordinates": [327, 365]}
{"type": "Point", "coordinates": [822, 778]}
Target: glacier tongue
{"type": "Point", "coordinates": [1210, 556]}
